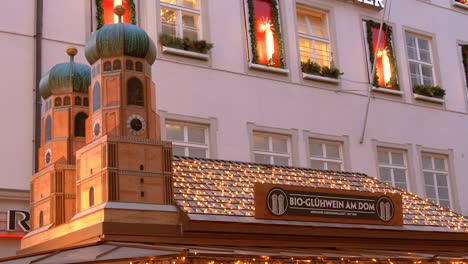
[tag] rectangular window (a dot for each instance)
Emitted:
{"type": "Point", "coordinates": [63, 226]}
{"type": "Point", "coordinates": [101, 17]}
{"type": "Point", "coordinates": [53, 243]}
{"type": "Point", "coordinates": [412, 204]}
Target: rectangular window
{"type": "Point", "coordinates": [393, 167]}
{"type": "Point", "coordinates": [264, 34]}
{"type": "Point", "coordinates": [271, 149]}
{"type": "Point", "coordinates": [189, 140]}
{"type": "Point", "coordinates": [314, 37]}
{"type": "Point", "coordinates": [326, 155]}
{"type": "Point", "coordinates": [420, 60]}
{"type": "Point", "coordinates": [181, 18]}
{"type": "Point", "coordinates": [436, 178]}
{"type": "Point", "coordinates": [107, 15]}
{"type": "Point", "coordinates": [464, 51]}
{"type": "Point", "coordinates": [386, 74]}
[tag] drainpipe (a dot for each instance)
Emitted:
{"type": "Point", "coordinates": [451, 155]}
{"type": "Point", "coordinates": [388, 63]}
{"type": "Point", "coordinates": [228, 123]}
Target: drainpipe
{"type": "Point", "coordinates": [38, 73]}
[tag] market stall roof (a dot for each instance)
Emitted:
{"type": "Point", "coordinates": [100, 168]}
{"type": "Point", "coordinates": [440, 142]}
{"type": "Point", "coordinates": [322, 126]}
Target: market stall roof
{"type": "Point", "coordinates": [110, 252]}
{"type": "Point", "coordinates": [218, 190]}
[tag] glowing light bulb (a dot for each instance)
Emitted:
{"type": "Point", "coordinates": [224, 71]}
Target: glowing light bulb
{"type": "Point", "coordinates": [386, 68]}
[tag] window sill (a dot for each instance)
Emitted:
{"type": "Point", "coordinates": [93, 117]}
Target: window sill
{"type": "Point", "coordinates": [319, 78]}
{"type": "Point", "coordinates": [429, 99]}
{"type": "Point", "coordinates": [386, 90]}
{"type": "Point", "coordinates": [460, 5]}
{"type": "Point", "coordinates": [267, 68]}
{"type": "Point", "coordinates": [185, 53]}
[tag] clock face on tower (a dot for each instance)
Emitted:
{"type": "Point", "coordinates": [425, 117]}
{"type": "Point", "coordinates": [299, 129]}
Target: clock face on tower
{"type": "Point", "coordinates": [96, 128]}
{"type": "Point", "coordinates": [136, 124]}
{"type": "Point", "coordinates": [48, 156]}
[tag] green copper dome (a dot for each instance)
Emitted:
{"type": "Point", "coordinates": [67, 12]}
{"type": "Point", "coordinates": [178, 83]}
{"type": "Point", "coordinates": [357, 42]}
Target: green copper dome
{"type": "Point", "coordinates": [118, 40]}
{"type": "Point", "coordinates": [66, 77]}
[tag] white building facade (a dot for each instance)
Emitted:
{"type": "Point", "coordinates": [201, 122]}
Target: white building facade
{"type": "Point", "coordinates": [248, 99]}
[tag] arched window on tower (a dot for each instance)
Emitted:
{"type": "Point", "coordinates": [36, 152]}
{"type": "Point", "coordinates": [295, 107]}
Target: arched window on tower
{"type": "Point", "coordinates": [96, 96]}
{"type": "Point", "coordinates": [48, 129]}
{"type": "Point", "coordinates": [41, 219]}
{"type": "Point", "coordinates": [80, 124]}
{"type": "Point", "coordinates": [117, 65]}
{"type": "Point", "coordinates": [66, 100]}
{"type": "Point", "coordinates": [135, 95]}
{"type": "Point", "coordinates": [58, 101]}
{"type": "Point", "coordinates": [107, 66]}
{"type": "Point", "coordinates": [139, 66]}
{"type": "Point", "coordinates": [129, 65]}
{"type": "Point", "coordinates": [85, 101]}
{"type": "Point", "coordinates": [77, 100]}
{"type": "Point", "coordinates": [91, 197]}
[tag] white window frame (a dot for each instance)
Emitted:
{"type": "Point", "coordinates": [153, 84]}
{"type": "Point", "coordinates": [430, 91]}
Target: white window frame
{"type": "Point", "coordinates": [324, 151]}
{"type": "Point", "coordinates": [418, 61]}
{"type": "Point", "coordinates": [312, 37]}
{"type": "Point", "coordinates": [209, 123]}
{"type": "Point", "coordinates": [179, 8]}
{"type": "Point", "coordinates": [434, 172]}
{"type": "Point", "coordinates": [392, 166]}
{"type": "Point", "coordinates": [270, 151]}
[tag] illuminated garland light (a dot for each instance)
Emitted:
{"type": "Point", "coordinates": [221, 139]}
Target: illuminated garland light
{"type": "Point", "coordinates": [222, 176]}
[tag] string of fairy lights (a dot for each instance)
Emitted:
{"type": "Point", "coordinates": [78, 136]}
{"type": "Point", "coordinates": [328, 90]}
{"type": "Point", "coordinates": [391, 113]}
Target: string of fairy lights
{"type": "Point", "coordinates": [194, 259]}
{"type": "Point", "coordinates": [226, 188]}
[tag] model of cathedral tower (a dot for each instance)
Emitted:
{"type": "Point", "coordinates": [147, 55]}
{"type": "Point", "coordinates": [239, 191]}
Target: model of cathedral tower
{"type": "Point", "coordinates": [101, 157]}
{"type": "Point", "coordinates": [124, 159]}
{"type": "Point", "coordinates": [65, 92]}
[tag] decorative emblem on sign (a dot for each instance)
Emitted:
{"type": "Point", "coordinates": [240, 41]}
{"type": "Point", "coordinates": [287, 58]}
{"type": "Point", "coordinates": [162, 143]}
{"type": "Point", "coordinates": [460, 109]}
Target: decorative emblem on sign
{"type": "Point", "coordinates": [385, 209]}
{"type": "Point", "coordinates": [277, 201]}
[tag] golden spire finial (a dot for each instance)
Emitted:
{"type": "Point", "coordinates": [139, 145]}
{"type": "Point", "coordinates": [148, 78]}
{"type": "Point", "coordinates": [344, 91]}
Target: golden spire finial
{"type": "Point", "coordinates": [72, 51]}
{"type": "Point", "coordinates": [119, 10]}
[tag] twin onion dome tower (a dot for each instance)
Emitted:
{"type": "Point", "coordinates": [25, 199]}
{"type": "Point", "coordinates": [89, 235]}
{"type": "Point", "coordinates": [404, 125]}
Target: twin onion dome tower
{"type": "Point", "coordinates": [100, 136]}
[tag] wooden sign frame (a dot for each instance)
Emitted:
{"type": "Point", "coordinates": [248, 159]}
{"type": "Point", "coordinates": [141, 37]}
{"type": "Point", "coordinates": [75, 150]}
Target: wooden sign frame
{"type": "Point", "coordinates": [297, 203]}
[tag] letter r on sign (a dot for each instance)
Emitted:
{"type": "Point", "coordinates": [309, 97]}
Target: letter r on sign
{"type": "Point", "coordinates": [22, 222]}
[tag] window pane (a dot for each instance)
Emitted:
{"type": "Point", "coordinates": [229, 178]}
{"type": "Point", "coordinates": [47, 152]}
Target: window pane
{"type": "Point", "coordinates": [401, 186]}
{"type": "Point", "coordinates": [178, 151]}
{"type": "Point", "coordinates": [316, 149]}
{"type": "Point", "coordinates": [410, 41]}
{"type": "Point", "coordinates": [443, 193]}
{"type": "Point", "coordinates": [316, 164]}
{"type": "Point", "coordinates": [333, 151]}
{"type": "Point", "coordinates": [190, 3]}
{"type": "Point", "coordinates": [302, 24]}
{"type": "Point", "coordinates": [426, 71]}
{"type": "Point", "coordinates": [334, 166]}
{"type": "Point", "coordinates": [261, 142]}
{"type": "Point", "coordinates": [439, 164]}
{"type": "Point", "coordinates": [196, 134]}
{"type": "Point", "coordinates": [445, 203]}
{"type": "Point", "coordinates": [385, 174]}
{"type": "Point", "coordinates": [412, 53]}
{"type": "Point", "coordinates": [400, 175]}
{"type": "Point", "coordinates": [322, 54]}
{"type": "Point", "coordinates": [397, 159]}
{"type": "Point", "coordinates": [382, 156]}
{"type": "Point", "coordinates": [441, 180]}
{"type": "Point", "coordinates": [425, 56]}
{"type": "Point", "coordinates": [280, 144]}
{"type": "Point", "coordinates": [430, 192]}
{"type": "Point", "coordinates": [197, 153]}
{"type": "Point", "coordinates": [428, 178]}
{"type": "Point", "coordinates": [427, 162]}
{"type": "Point", "coordinates": [175, 132]}
{"type": "Point", "coordinates": [260, 158]}
{"type": "Point", "coordinates": [423, 44]}
{"type": "Point", "coordinates": [170, 1]}
{"type": "Point", "coordinates": [190, 26]}
{"type": "Point", "coordinates": [168, 21]}
{"type": "Point", "coordinates": [280, 161]}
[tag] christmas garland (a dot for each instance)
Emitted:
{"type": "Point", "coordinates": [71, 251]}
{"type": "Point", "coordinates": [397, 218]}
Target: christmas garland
{"type": "Point", "coordinates": [276, 32]}
{"type": "Point", "coordinates": [465, 61]}
{"type": "Point", "coordinates": [393, 83]}
{"type": "Point", "coordinates": [100, 13]}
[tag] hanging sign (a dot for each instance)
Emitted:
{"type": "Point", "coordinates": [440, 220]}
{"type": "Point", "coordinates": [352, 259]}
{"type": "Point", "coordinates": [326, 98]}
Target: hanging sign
{"type": "Point", "coordinates": [284, 202]}
{"type": "Point", "coordinates": [375, 3]}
